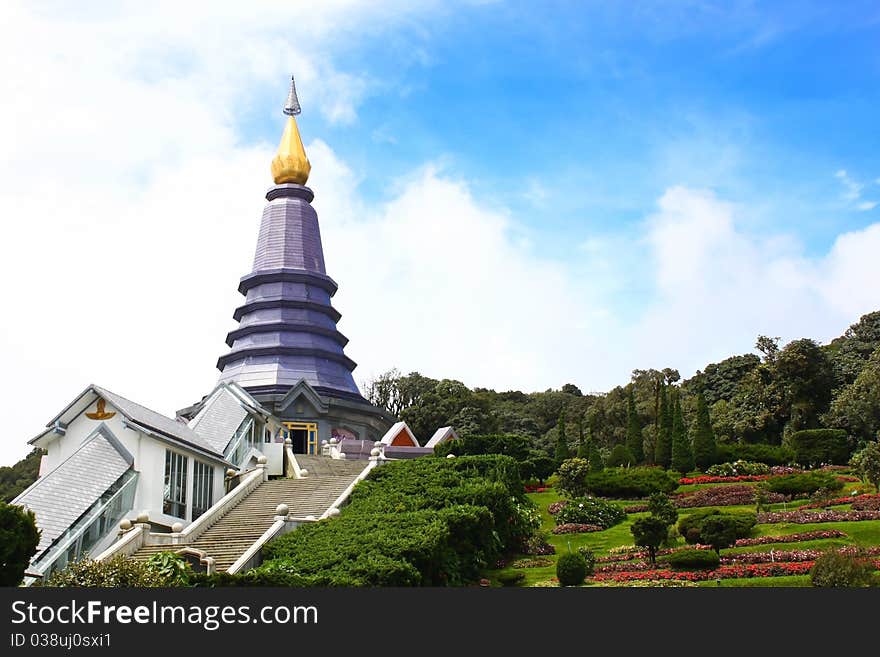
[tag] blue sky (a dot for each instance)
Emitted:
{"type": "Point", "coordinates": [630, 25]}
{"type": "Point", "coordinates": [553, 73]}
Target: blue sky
{"type": "Point", "coordinates": [516, 195]}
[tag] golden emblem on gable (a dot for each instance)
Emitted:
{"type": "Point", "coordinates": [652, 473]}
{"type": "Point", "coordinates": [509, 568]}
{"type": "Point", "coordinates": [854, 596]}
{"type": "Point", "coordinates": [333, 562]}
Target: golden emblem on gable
{"type": "Point", "coordinates": [100, 414]}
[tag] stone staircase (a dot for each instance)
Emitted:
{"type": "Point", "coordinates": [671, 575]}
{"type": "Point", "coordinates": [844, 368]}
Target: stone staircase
{"type": "Point", "coordinates": [228, 538]}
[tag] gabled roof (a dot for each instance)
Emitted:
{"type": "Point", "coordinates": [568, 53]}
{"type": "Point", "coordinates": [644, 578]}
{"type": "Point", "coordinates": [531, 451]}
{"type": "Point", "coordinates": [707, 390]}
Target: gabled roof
{"type": "Point", "coordinates": [303, 389]}
{"type": "Point", "coordinates": [221, 415]}
{"type": "Point", "coordinates": [395, 431]}
{"type": "Point", "coordinates": [60, 497]}
{"type": "Point", "coordinates": [142, 417]}
{"type": "Point", "coordinates": [442, 435]}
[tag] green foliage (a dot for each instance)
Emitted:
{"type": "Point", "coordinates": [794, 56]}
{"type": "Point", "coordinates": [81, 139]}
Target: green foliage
{"type": "Point", "coordinates": [590, 511]}
{"type": "Point", "coordinates": [171, 568]}
{"type": "Point", "coordinates": [572, 476]}
{"type": "Point", "coordinates": [692, 559]}
{"type": "Point", "coordinates": [719, 531]}
{"type": "Point", "coordinates": [663, 445]}
{"type": "Point", "coordinates": [634, 441]}
{"type": "Point", "coordinates": [769, 454]}
{"type": "Point", "coordinates": [721, 381]}
{"type": "Point", "coordinates": [630, 483]}
{"type": "Point", "coordinates": [596, 463]}
{"type": "Point", "coordinates": [650, 532]}
{"type": "Point", "coordinates": [867, 463]}
{"type": "Point", "coordinates": [571, 569]}
{"type": "Point", "coordinates": [269, 574]}
{"type": "Point", "coordinates": [510, 578]}
{"type": "Point", "coordinates": [14, 479]}
{"type": "Point", "coordinates": [621, 456]}
{"type": "Point", "coordinates": [516, 447]}
{"type": "Point", "coordinates": [419, 522]}
{"type": "Point", "coordinates": [583, 450]}
{"type": "Point", "coordinates": [820, 446]}
{"type": "Point", "coordinates": [691, 526]}
{"type": "Point", "coordinates": [19, 538]}
{"type": "Point", "coordinates": [660, 506]}
{"type": "Point", "coordinates": [537, 466]}
{"type": "Point", "coordinates": [840, 569]}
{"type": "Point", "coordinates": [589, 558]}
{"type": "Point", "coordinates": [703, 439]}
{"type": "Point", "coordinates": [562, 452]}
{"type": "Point", "coordinates": [116, 572]}
{"type": "Point", "coordinates": [803, 484]}
{"type": "Point", "coordinates": [856, 409]}
{"type": "Point", "coordinates": [682, 456]}
{"type": "Point", "coordinates": [851, 351]}
{"type": "Point", "coordinates": [738, 468]}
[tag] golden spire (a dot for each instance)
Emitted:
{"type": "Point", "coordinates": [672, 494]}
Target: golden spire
{"type": "Point", "coordinates": [291, 165]}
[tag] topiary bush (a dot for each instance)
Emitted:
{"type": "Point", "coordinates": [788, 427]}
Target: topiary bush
{"type": "Point", "coordinates": [510, 579]}
{"type": "Point", "coordinates": [571, 569]}
{"type": "Point", "coordinates": [737, 468]}
{"type": "Point", "coordinates": [590, 511]}
{"type": "Point", "coordinates": [803, 484]}
{"type": "Point", "coordinates": [840, 569]}
{"type": "Point", "coordinates": [690, 527]}
{"type": "Point", "coordinates": [691, 559]}
{"type": "Point", "coordinates": [572, 475]}
{"type": "Point", "coordinates": [630, 483]}
{"type": "Point", "coordinates": [820, 446]}
{"type": "Point", "coordinates": [117, 572]}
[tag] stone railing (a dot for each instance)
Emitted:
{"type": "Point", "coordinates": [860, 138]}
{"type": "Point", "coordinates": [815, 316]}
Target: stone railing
{"type": "Point", "coordinates": [136, 535]}
{"type": "Point", "coordinates": [291, 466]}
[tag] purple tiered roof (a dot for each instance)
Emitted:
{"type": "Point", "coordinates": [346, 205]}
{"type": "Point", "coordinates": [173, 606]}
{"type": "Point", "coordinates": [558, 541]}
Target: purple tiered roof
{"type": "Point", "coordinates": [287, 326]}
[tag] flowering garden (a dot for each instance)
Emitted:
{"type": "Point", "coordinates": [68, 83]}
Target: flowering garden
{"type": "Point", "coordinates": [792, 530]}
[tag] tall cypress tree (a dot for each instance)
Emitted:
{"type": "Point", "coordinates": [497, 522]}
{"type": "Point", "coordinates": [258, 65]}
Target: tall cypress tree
{"type": "Point", "coordinates": [583, 442]}
{"type": "Point", "coordinates": [663, 448]}
{"type": "Point", "coordinates": [703, 439]}
{"type": "Point", "coordinates": [596, 464]}
{"type": "Point", "coordinates": [562, 452]}
{"type": "Point", "coordinates": [682, 456]}
{"type": "Point", "coordinates": [634, 429]}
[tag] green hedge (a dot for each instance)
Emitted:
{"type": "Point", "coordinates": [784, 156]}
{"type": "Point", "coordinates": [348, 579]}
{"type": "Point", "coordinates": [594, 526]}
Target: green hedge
{"type": "Point", "coordinates": [769, 454]}
{"type": "Point", "coordinates": [821, 446]}
{"type": "Point", "coordinates": [427, 521]}
{"type": "Point", "coordinates": [803, 484]}
{"type": "Point", "coordinates": [630, 483]}
{"type": "Point", "coordinates": [691, 525]}
{"type": "Point", "coordinates": [590, 511]}
{"type": "Point", "coordinates": [692, 559]}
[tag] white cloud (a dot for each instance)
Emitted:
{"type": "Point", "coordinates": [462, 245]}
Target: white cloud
{"type": "Point", "coordinates": [867, 205]}
{"type": "Point", "coordinates": [853, 191]}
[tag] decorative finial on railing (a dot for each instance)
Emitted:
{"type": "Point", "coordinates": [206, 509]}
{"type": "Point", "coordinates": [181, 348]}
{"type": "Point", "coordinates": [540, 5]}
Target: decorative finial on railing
{"type": "Point", "coordinates": [292, 108]}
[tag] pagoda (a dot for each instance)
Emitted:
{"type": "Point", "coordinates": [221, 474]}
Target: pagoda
{"type": "Point", "coordinates": [286, 351]}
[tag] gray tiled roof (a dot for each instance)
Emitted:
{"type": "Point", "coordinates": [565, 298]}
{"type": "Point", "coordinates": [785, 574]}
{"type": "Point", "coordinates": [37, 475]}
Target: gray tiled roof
{"type": "Point", "coordinates": [156, 421]}
{"type": "Point", "coordinates": [63, 495]}
{"type": "Point", "coordinates": [218, 420]}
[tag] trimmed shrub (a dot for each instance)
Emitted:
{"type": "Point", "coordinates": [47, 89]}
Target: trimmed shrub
{"type": "Point", "coordinates": [510, 579]}
{"type": "Point", "coordinates": [803, 484]}
{"type": "Point", "coordinates": [738, 468]}
{"type": "Point", "coordinates": [117, 572]}
{"type": "Point", "coordinates": [572, 475]}
{"type": "Point", "coordinates": [719, 531]}
{"type": "Point", "coordinates": [692, 559]}
{"type": "Point", "coordinates": [838, 569]}
{"type": "Point", "coordinates": [690, 527]}
{"type": "Point", "coordinates": [630, 483]}
{"type": "Point", "coordinates": [817, 446]}
{"type": "Point", "coordinates": [590, 511]}
{"type": "Point", "coordinates": [571, 569]}
{"type": "Point", "coordinates": [620, 456]}
{"type": "Point", "coordinates": [769, 454]}
{"type": "Point", "coordinates": [509, 444]}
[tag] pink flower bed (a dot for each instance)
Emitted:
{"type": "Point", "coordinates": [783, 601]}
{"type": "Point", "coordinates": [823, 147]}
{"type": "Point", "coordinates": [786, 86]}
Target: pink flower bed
{"type": "Point", "coordinates": [789, 555]}
{"type": "Point", "coordinates": [723, 496]}
{"type": "Point", "coordinates": [575, 528]}
{"type": "Point", "coordinates": [722, 572]}
{"type": "Point", "coordinates": [864, 502]}
{"type": "Point", "coordinates": [556, 507]}
{"type": "Point", "coordinates": [635, 508]}
{"type": "Point", "coordinates": [805, 517]}
{"type": "Point", "coordinates": [790, 538]}
{"type": "Point", "coordinates": [709, 479]}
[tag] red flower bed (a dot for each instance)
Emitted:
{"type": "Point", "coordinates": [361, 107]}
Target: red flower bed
{"type": "Point", "coordinates": [790, 538]}
{"type": "Point", "coordinates": [805, 517]}
{"type": "Point", "coordinates": [575, 528]}
{"type": "Point", "coordinates": [723, 496]}
{"type": "Point", "coordinates": [709, 479]}
{"type": "Point", "coordinates": [536, 489]}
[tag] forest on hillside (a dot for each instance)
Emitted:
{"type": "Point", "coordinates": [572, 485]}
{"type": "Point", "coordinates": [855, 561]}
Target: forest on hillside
{"type": "Point", "coordinates": [751, 399]}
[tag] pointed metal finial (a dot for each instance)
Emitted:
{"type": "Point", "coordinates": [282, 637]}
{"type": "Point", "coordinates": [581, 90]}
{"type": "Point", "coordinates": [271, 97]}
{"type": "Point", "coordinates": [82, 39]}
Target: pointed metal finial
{"type": "Point", "coordinates": [292, 108]}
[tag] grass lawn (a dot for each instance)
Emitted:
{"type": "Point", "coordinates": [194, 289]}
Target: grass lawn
{"type": "Point", "coordinates": [865, 534]}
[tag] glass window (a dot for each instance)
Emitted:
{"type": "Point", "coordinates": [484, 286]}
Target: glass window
{"type": "Point", "coordinates": [203, 488]}
{"type": "Point", "coordinates": [174, 503]}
